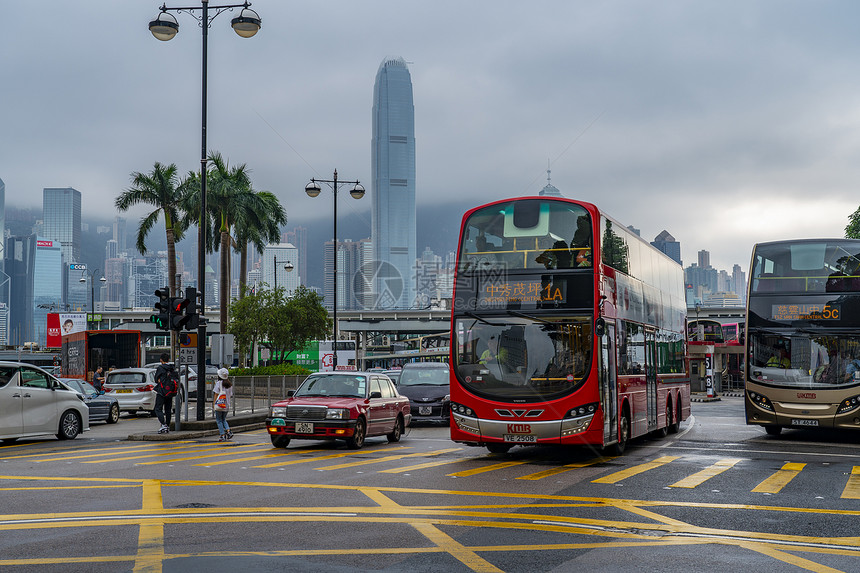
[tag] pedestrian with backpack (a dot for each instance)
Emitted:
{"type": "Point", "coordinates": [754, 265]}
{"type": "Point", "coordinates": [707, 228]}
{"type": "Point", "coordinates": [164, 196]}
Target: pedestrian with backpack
{"type": "Point", "coordinates": [166, 386]}
{"type": "Point", "coordinates": [222, 399]}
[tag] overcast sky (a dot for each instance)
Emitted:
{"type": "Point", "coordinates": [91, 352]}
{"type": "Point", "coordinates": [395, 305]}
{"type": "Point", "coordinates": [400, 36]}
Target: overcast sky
{"type": "Point", "coordinates": [725, 123]}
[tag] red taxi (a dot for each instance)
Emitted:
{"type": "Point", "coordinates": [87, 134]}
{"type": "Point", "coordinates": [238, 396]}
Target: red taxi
{"type": "Point", "coordinates": [346, 405]}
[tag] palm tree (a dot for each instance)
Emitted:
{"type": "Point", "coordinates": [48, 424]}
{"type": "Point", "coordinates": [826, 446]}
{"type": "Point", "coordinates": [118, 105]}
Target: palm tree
{"type": "Point", "coordinates": [161, 189]}
{"type": "Point", "coordinates": [257, 229]}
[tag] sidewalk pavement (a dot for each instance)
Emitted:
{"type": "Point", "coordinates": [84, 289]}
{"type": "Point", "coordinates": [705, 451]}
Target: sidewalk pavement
{"type": "Point", "coordinates": [202, 428]}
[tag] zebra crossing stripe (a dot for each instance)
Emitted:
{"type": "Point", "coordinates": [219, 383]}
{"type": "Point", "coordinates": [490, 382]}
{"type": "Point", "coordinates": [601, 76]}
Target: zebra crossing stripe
{"type": "Point", "coordinates": [701, 477]}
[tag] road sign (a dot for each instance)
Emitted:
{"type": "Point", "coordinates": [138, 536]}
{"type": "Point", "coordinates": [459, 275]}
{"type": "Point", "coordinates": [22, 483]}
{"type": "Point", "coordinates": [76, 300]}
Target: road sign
{"type": "Point", "coordinates": [187, 355]}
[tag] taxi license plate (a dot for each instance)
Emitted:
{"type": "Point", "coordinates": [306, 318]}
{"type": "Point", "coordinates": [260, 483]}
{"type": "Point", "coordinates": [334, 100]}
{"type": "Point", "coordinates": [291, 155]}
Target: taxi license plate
{"type": "Point", "coordinates": [796, 422]}
{"type": "Point", "coordinates": [520, 438]}
{"type": "Point", "coordinates": [123, 391]}
{"type": "Point", "coordinates": [425, 410]}
{"type": "Point", "coordinates": [304, 428]}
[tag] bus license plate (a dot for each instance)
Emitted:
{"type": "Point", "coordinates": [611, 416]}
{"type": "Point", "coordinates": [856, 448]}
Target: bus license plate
{"type": "Point", "coordinates": [795, 422]}
{"type": "Point", "coordinates": [425, 410]}
{"type": "Point", "coordinates": [304, 428]}
{"type": "Point", "coordinates": [519, 438]}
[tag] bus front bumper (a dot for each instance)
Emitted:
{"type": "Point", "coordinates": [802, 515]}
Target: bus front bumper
{"type": "Point", "coordinates": [519, 431]}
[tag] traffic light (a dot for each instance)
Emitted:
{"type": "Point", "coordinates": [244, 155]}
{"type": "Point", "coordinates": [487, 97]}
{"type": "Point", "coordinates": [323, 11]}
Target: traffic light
{"type": "Point", "coordinates": [193, 319]}
{"type": "Point", "coordinates": [177, 312]}
{"type": "Point", "coordinates": [162, 319]}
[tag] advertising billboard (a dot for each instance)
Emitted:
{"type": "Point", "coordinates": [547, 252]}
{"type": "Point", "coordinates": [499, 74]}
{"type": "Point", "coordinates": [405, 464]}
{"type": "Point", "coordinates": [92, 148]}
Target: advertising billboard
{"type": "Point", "coordinates": [64, 323]}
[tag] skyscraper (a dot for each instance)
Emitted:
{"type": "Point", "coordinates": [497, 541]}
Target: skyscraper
{"type": "Point", "coordinates": [393, 229]}
{"type": "Point", "coordinates": [299, 237]}
{"type": "Point", "coordinates": [61, 212]}
{"type": "Point", "coordinates": [667, 243]}
{"type": "Point", "coordinates": [275, 259]}
{"type": "Point", "coordinates": [5, 283]}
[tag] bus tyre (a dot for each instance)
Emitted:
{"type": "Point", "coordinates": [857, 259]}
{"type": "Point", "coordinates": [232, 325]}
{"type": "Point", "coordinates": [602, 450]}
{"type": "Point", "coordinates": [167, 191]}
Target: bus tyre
{"type": "Point", "coordinates": [675, 424]}
{"type": "Point", "coordinates": [623, 435]}
{"type": "Point", "coordinates": [498, 448]}
{"type": "Point", "coordinates": [773, 430]}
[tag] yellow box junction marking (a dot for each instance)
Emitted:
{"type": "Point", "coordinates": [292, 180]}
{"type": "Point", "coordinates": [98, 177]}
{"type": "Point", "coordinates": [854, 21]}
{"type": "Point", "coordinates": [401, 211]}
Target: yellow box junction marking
{"type": "Point", "coordinates": [328, 457]}
{"type": "Point", "coordinates": [780, 479]}
{"type": "Point", "coordinates": [565, 468]}
{"type": "Point", "coordinates": [389, 458]}
{"type": "Point", "coordinates": [150, 540]}
{"type": "Point", "coordinates": [852, 488]}
{"type": "Point", "coordinates": [635, 470]}
{"type": "Point", "coordinates": [494, 467]}
{"type": "Point", "coordinates": [701, 477]}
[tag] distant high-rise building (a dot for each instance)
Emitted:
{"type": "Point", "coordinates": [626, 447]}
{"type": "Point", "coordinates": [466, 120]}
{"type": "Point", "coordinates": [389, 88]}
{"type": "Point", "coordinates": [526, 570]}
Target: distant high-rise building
{"type": "Point", "coordinates": [393, 219]}
{"type": "Point", "coordinates": [61, 214]}
{"type": "Point", "coordinates": [351, 291]}
{"type": "Point", "coordinates": [147, 274]}
{"type": "Point", "coordinates": [739, 282]}
{"type": "Point", "coordinates": [667, 243]}
{"type": "Point", "coordinates": [5, 282]}
{"type": "Point", "coordinates": [298, 237]}
{"type": "Point", "coordinates": [704, 259]}
{"type": "Point", "coordinates": [275, 259]}
{"type": "Point", "coordinates": [119, 233]}
{"type": "Point", "coordinates": [549, 189]}
{"type": "Point", "coordinates": [35, 266]}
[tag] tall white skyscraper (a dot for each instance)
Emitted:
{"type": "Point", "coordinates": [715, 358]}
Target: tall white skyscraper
{"type": "Point", "coordinates": [275, 259]}
{"type": "Point", "coordinates": [393, 229]}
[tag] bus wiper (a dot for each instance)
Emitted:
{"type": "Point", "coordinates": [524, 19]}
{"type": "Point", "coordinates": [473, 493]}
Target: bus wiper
{"type": "Point", "coordinates": [479, 319]}
{"type": "Point", "coordinates": [534, 318]}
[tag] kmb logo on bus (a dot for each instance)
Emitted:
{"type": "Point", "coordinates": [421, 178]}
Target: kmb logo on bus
{"type": "Point", "coordinates": [807, 395]}
{"type": "Point", "coordinates": [519, 428]}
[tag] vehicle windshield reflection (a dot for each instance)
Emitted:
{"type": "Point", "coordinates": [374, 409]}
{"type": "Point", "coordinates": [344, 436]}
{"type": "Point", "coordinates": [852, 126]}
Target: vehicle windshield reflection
{"type": "Point", "coordinates": [334, 386]}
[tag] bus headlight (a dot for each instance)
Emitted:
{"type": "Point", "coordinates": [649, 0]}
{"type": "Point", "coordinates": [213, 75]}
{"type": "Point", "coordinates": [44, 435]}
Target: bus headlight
{"type": "Point", "coordinates": [584, 410]}
{"type": "Point", "coordinates": [848, 404]}
{"type": "Point", "coordinates": [461, 409]}
{"type": "Point", "coordinates": [760, 401]}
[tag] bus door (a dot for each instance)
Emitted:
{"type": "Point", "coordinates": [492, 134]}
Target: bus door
{"type": "Point", "coordinates": [609, 385]}
{"type": "Point", "coordinates": [651, 377]}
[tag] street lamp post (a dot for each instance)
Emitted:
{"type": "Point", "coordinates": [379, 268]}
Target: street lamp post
{"type": "Point", "coordinates": [288, 266]}
{"type": "Point", "coordinates": [83, 279]}
{"type": "Point", "coordinates": [313, 189]}
{"type": "Point", "coordinates": [165, 27]}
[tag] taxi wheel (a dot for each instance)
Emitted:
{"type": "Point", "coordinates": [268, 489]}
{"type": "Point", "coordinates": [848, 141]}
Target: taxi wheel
{"type": "Point", "coordinates": [113, 415]}
{"type": "Point", "coordinates": [395, 434]}
{"type": "Point", "coordinates": [280, 441]}
{"type": "Point", "coordinates": [70, 425]}
{"type": "Point", "coordinates": [357, 439]}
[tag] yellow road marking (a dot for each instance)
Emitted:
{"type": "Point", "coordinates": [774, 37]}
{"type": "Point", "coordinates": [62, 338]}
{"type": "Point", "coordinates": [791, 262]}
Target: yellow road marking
{"type": "Point", "coordinates": [419, 466]}
{"type": "Point", "coordinates": [635, 470]}
{"type": "Point", "coordinates": [100, 452]}
{"type": "Point", "coordinates": [780, 479]}
{"type": "Point", "coordinates": [564, 468]}
{"type": "Point", "coordinates": [389, 458]}
{"type": "Point", "coordinates": [200, 448]}
{"type": "Point", "coordinates": [852, 488]}
{"type": "Point", "coordinates": [490, 468]}
{"type": "Point", "coordinates": [460, 552]}
{"type": "Point", "coordinates": [770, 551]}
{"type": "Point", "coordinates": [278, 454]}
{"type": "Point", "coordinates": [150, 540]}
{"type": "Point", "coordinates": [701, 477]}
{"type": "Point", "coordinates": [231, 451]}
{"type": "Point", "coordinates": [328, 457]}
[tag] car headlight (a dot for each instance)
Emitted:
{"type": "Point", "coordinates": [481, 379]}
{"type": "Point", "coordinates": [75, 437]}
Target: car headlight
{"type": "Point", "coordinates": [337, 414]}
{"type": "Point", "coordinates": [279, 412]}
{"type": "Point", "coordinates": [447, 398]}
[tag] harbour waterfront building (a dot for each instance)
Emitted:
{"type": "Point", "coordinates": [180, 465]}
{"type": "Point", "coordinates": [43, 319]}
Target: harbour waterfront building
{"type": "Point", "coordinates": [393, 218]}
{"type": "Point", "coordinates": [35, 265]}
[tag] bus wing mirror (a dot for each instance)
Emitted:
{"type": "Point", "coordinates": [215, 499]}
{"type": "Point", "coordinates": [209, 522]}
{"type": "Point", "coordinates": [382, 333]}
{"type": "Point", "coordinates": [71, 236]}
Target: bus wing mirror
{"type": "Point", "coordinates": [600, 327]}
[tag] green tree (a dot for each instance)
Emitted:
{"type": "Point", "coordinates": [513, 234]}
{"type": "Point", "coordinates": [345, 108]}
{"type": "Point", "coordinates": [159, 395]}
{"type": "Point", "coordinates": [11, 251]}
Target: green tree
{"type": "Point", "coordinates": [161, 189]}
{"type": "Point", "coordinates": [267, 317]}
{"type": "Point", "coordinates": [852, 229]}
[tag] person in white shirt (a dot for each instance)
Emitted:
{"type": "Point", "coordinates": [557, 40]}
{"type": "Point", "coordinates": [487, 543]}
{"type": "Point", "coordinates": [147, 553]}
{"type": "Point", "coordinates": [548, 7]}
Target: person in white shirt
{"type": "Point", "coordinates": [222, 394]}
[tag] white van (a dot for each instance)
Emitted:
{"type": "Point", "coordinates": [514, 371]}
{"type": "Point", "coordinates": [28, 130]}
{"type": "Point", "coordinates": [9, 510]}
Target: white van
{"type": "Point", "coordinates": [34, 403]}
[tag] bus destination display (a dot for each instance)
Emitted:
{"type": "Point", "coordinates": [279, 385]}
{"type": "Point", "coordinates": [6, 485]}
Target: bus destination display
{"type": "Point", "coordinates": [503, 293]}
{"type": "Point", "coordinates": [788, 312]}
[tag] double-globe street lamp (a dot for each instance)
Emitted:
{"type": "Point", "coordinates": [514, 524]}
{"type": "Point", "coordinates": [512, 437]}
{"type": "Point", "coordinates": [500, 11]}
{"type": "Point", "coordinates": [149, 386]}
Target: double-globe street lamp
{"type": "Point", "coordinates": [288, 266]}
{"type": "Point", "coordinates": [313, 189]}
{"type": "Point", "coordinates": [165, 27]}
{"type": "Point", "coordinates": [84, 274]}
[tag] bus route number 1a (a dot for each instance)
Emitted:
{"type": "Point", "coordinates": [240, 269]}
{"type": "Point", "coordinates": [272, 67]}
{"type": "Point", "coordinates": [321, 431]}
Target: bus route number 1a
{"type": "Point", "coordinates": [552, 293]}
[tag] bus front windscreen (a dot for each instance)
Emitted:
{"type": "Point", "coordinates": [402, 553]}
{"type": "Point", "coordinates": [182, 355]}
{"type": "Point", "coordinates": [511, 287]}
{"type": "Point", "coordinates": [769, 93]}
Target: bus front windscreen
{"type": "Point", "coordinates": [523, 359]}
{"type": "Point", "coordinates": [804, 360]}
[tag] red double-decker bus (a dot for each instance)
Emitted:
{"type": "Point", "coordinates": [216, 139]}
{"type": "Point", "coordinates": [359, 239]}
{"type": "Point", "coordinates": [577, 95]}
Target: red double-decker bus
{"type": "Point", "coordinates": [566, 328]}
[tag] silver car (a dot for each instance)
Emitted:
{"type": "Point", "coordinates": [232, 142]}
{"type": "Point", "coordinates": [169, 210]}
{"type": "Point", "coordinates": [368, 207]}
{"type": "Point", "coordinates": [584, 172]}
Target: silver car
{"type": "Point", "coordinates": [133, 388]}
{"type": "Point", "coordinates": [34, 403]}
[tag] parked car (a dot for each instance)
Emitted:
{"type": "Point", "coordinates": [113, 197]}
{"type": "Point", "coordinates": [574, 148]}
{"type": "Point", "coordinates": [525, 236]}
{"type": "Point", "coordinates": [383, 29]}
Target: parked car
{"type": "Point", "coordinates": [427, 385]}
{"type": "Point", "coordinates": [133, 388]}
{"type": "Point", "coordinates": [340, 406]}
{"type": "Point", "coordinates": [34, 403]}
{"type": "Point", "coordinates": [103, 408]}
{"type": "Point", "coordinates": [191, 392]}
{"type": "Point", "coordinates": [393, 374]}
